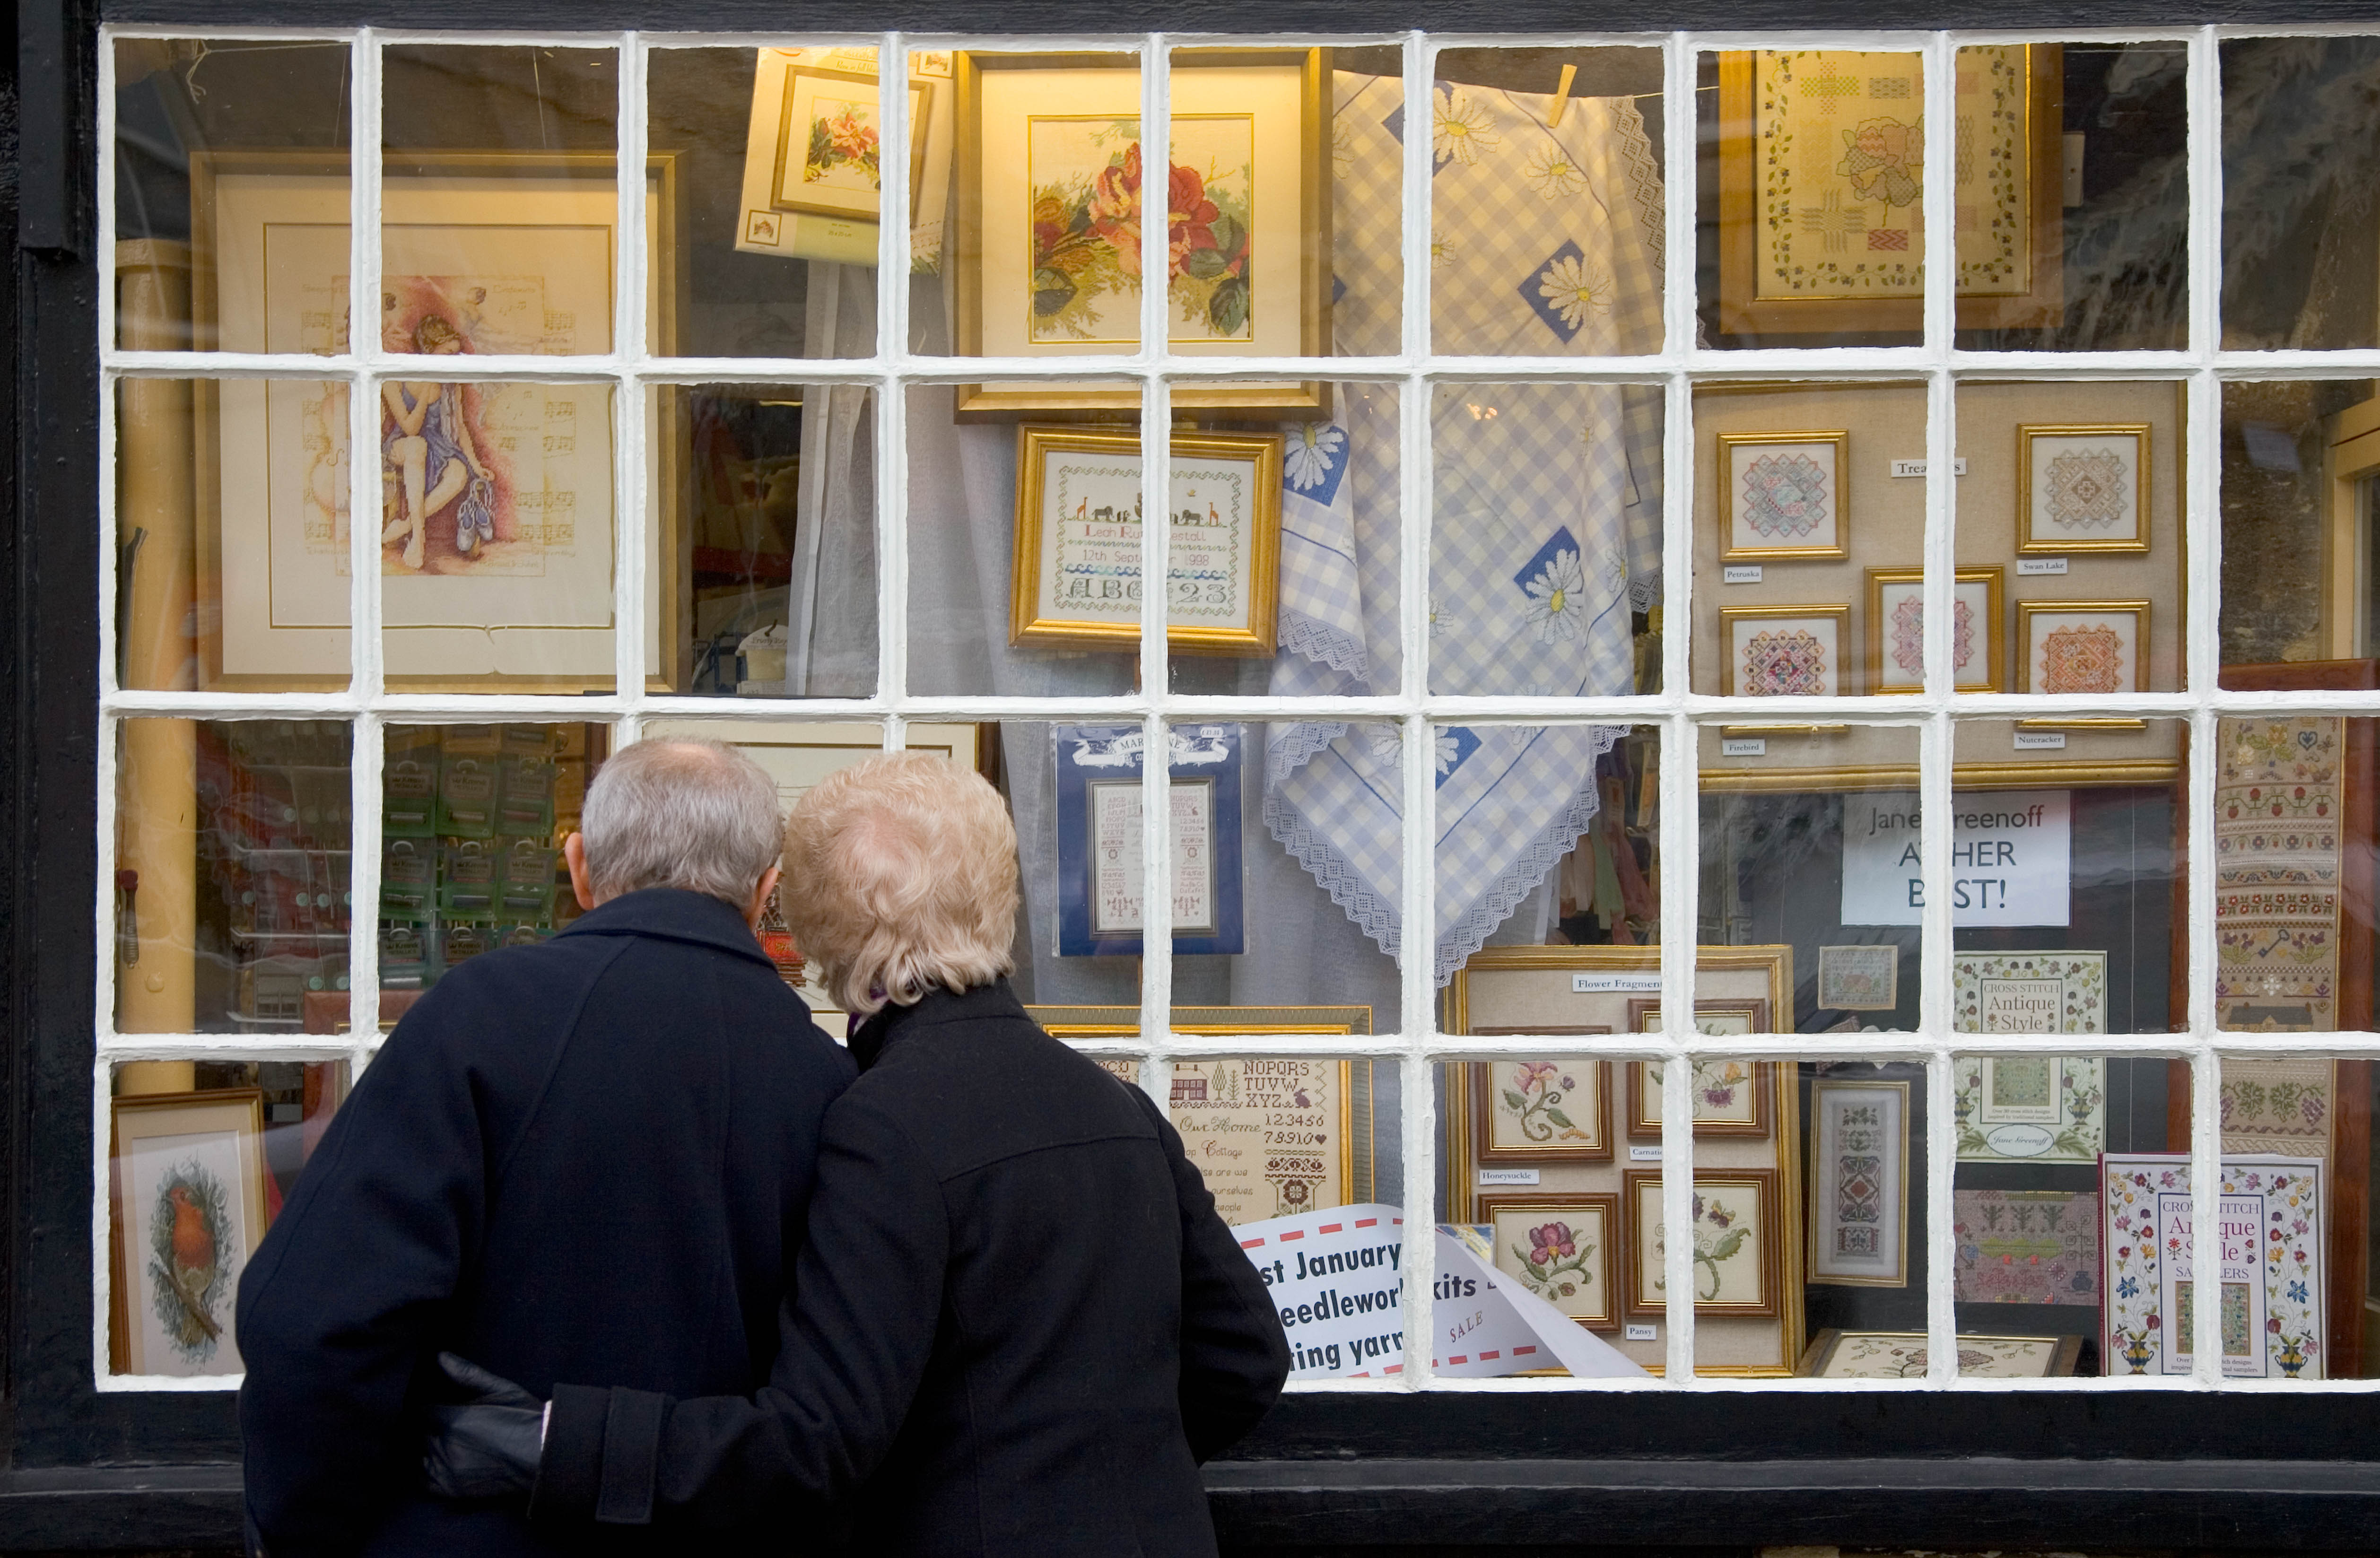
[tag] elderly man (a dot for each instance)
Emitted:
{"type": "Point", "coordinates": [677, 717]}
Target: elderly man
{"type": "Point", "coordinates": [590, 1159]}
{"type": "Point", "coordinates": [1019, 1324]}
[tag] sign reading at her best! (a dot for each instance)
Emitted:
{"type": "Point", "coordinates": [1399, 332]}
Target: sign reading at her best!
{"type": "Point", "coordinates": [2010, 858]}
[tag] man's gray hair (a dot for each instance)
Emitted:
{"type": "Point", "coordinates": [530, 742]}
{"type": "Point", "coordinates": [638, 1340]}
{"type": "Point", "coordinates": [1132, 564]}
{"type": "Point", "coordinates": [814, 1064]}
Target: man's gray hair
{"type": "Point", "coordinates": [671, 812]}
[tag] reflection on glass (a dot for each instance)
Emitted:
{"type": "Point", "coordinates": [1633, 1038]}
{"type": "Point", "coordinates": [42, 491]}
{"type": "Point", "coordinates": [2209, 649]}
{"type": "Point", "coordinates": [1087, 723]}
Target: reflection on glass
{"type": "Point", "coordinates": [203, 126]}
{"type": "Point", "coordinates": [1559, 158]}
{"type": "Point", "coordinates": [232, 876]}
{"type": "Point", "coordinates": [2076, 240]}
{"type": "Point", "coordinates": [1546, 556]}
{"type": "Point", "coordinates": [780, 485]}
{"type": "Point", "coordinates": [201, 1155]}
{"type": "Point", "coordinates": [1366, 213]}
{"type": "Point", "coordinates": [2301, 250]}
{"type": "Point", "coordinates": [2299, 459]}
{"type": "Point", "coordinates": [472, 823]}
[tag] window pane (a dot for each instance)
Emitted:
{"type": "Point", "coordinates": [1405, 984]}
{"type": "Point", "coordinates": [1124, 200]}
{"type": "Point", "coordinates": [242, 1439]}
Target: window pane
{"type": "Point", "coordinates": [1546, 542]}
{"type": "Point", "coordinates": [775, 155]}
{"type": "Point", "coordinates": [778, 485]}
{"type": "Point", "coordinates": [2042, 1253]}
{"type": "Point", "coordinates": [497, 544]}
{"type": "Point", "coordinates": [472, 823]}
{"type": "Point", "coordinates": [232, 875]}
{"type": "Point", "coordinates": [2079, 485]}
{"type": "Point", "coordinates": [2300, 267]}
{"type": "Point", "coordinates": [2315, 1114]}
{"type": "Point", "coordinates": [1811, 889]}
{"type": "Point", "coordinates": [2299, 564]}
{"type": "Point", "coordinates": [201, 1156]}
{"type": "Point", "coordinates": [1813, 528]}
{"type": "Point", "coordinates": [2072, 228]}
{"type": "Point", "coordinates": [233, 556]}
{"type": "Point", "coordinates": [217, 143]}
{"type": "Point", "coordinates": [1366, 306]}
{"type": "Point", "coordinates": [1545, 235]}
{"type": "Point", "coordinates": [1042, 250]}
{"type": "Point", "coordinates": [1023, 548]}
{"type": "Point", "coordinates": [1811, 212]}
{"type": "Point", "coordinates": [509, 251]}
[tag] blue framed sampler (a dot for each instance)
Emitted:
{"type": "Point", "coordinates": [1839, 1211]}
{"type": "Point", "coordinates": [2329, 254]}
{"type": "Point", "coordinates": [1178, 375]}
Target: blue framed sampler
{"type": "Point", "coordinates": [1099, 908]}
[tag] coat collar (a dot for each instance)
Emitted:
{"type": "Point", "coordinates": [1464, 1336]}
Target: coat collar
{"type": "Point", "coordinates": [672, 914]}
{"type": "Point", "coordinates": [938, 1006]}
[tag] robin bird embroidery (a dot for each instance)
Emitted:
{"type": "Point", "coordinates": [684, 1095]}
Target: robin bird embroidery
{"type": "Point", "coordinates": [194, 1261]}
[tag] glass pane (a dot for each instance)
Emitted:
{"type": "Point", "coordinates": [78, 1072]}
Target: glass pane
{"type": "Point", "coordinates": [233, 557]}
{"type": "Point", "coordinates": [1365, 216]}
{"type": "Point", "coordinates": [2048, 1266]}
{"type": "Point", "coordinates": [1811, 215]}
{"type": "Point", "coordinates": [1057, 966]}
{"type": "Point", "coordinates": [1545, 545]}
{"type": "Point", "coordinates": [2308, 1118]}
{"type": "Point", "coordinates": [779, 484]}
{"type": "Point", "coordinates": [1833, 1287]}
{"type": "Point", "coordinates": [1545, 235]}
{"type": "Point", "coordinates": [2301, 250]}
{"type": "Point", "coordinates": [1285, 539]}
{"type": "Point", "coordinates": [496, 537]}
{"type": "Point", "coordinates": [2300, 568]}
{"type": "Point", "coordinates": [217, 142]}
{"type": "Point", "coordinates": [232, 875]}
{"type": "Point", "coordinates": [2081, 484]}
{"type": "Point", "coordinates": [508, 250]}
{"type": "Point", "coordinates": [1811, 889]}
{"type": "Point", "coordinates": [1285, 889]}
{"type": "Point", "coordinates": [1809, 509]}
{"type": "Point", "coordinates": [201, 1155]}
{"type": "Point", "coordinates": [1043, 249]}
{"type": "Point", "coordinates": [775, 153]}
{"type": "Point", "coordinates": [472, 823]}
{"type": "Point", "coordinates": [2073, 225]}
{"type": "Point", "coordinates": [1024, 550]}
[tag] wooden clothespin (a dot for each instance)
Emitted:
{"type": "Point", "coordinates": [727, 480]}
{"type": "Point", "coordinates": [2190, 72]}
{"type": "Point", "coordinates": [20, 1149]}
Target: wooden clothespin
{"type": "Point", "coordinates": [1561, 97]}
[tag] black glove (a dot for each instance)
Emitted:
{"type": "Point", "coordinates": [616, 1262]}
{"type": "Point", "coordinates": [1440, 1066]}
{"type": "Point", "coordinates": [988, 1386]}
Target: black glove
{"type": "Point", "coordinates": [489, 1447]}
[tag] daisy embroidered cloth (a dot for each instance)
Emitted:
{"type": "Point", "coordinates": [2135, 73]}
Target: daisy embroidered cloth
{"type": "Point", "coordinates": [1548, 501]}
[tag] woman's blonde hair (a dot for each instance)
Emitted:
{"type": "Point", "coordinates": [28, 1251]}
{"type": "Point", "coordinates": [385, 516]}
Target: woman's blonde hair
{"type": "Point", "coordinates": [900, 876]}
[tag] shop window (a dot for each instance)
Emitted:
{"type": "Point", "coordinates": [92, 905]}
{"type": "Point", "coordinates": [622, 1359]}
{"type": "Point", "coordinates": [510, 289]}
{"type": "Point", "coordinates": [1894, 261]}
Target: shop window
{"type": "Point", "coordinates": [1677, 746]}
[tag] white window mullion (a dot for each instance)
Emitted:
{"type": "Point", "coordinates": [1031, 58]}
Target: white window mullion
{"type": "Point", "coordinates": [1156, 534]}
{"type": "Point", "coordinates": [893, 252]}
{"type": "Point", "coordinates": [364, 345]}
{"type": "Point", "coordinates": [632, 348]}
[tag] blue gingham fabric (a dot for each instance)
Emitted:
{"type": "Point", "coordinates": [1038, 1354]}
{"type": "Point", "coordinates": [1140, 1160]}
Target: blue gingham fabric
{"type": "Point", "coordinates": [1548, 503]}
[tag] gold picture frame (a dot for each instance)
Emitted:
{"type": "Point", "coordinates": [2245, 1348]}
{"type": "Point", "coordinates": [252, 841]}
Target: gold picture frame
{"type": "Point", "coordinates": [856, 207]}
{"type": "Point", "coordinates": [1282, 262]}
{"type": "Point", "coordinates": [1072, 578]}
{"type": "Point", "coordinates": [1838, 615]}
{"type": "Point", "coordinates": [491, 196]}
{"type": "Point", "coordinates": [2030, 613]}
{"type": "Point", "coordinates": [1882, 581]}
{"type": "Point", "coordinates": [1836, 498]}
{"type": "Point", "coordinates": [2021, 246]}
{"type": "Point", "coordinates": [2039, 442]}
{"type": "Point", "coordinates": [217, 1135]}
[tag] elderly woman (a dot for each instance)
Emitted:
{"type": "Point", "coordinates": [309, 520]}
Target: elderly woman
{"type": "Point", "coordinates": [1018, 1325]}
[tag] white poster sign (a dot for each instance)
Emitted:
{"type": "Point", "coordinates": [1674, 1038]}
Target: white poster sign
{"type": "Point", "coordinates": [2011, 857]}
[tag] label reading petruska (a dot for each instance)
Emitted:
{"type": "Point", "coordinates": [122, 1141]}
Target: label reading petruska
{"type": "Point", "coordinates": [1507, 1177]}
{"type": "Point", "coordinates": [2034, 567]}
{"type": "Point", "coordinates": [1742, 573]}
{"type": "Point", "coordinates": [1743, 747]}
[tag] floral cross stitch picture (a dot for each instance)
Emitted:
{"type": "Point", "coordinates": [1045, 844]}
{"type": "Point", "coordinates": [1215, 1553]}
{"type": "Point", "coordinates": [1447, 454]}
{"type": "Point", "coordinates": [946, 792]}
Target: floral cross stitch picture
{"type": "Point", "coordinates": [831, 138]}
{"type": "Point", "coordinates": [1896, 630]}
{"type": "Point", "coordinates": [1543, 1108]}
{"type": "Point", "coordinates": [1559, 1247]}
{"type": "Point", "coordinates": [1782, 494]}
{"type": "Point", "coordinates": [1782, 651]}
{"type": "Point", "coordinates": [1734, 1232]}
{"type": "Point", "coordinates": [2082, 489]}
{"type": "Point", "coordinates": [2082, 646]}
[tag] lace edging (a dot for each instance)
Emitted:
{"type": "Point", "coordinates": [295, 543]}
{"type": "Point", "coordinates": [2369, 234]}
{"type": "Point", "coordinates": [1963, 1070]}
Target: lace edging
{"type": "Point", "coordinates": [1474, 926]}
{"type": "Point", "coordinates": [1298, 744]}
{"type": "Point", "coordinates": [1643, 175]}
{"type": "Point", "coordinates": [1317, 640]}
{"type": "Point", "coordinates": [1346, 885]}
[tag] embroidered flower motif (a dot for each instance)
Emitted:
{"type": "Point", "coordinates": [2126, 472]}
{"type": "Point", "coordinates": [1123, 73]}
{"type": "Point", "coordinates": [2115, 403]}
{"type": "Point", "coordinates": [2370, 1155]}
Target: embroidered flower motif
{"type": "Point", "coordinates": [1342, 150]}
{"type": "Point", "coordinates": [1575, 289]}
{"type": "Point", "coordinates": [1441, 249]}
{"type": "Point", "coordinates": [1447, 752]}
{"type": "Point", "coordinates": [1310, 457]}
{"type": "Point", "coordinates": [1549, 1242]}
{"type": "Point", "coordinates": [1787, 495]}
{"type": "Point", "coordinates": [2083, 659]}
{"type": "Point", "coordinates": [1460, 129]}
{"type": "Point", "coordinates": [1882, 158]}
{"type": "Point", "coordinates": [1783, 661]}
{"type": "Point", "coordinates": [1441, 617]}
{"type": "Point", "coordinates": [1556, 600]}
{"type": "Point", "coordinates": [1530, 1075]}
{"type": "Point", "coordinates": [1552, 172]}
{"type": "Point", "coordinates": [1386, 741]}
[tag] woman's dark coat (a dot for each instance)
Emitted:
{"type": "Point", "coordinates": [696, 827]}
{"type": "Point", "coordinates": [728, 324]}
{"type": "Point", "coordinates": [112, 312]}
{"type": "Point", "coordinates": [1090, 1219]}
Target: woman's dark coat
{"type": "Point", "coordinates": [1017, 1327]}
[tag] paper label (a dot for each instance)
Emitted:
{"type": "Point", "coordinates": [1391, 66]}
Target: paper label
{"type": "Point", "coordinates": [1507, 1177]}
{"type": "Point", "coordinates": [1609, 984]}
{"type": "Point", "coordinates": [1643, 1333]}
{"type": "Point", "coordinates": [2010, 857]}
{"type": "Point", "coordinates": [1644, 1152]}
{"type": "Point", "coordinates": [1743, 747]}
{"type": "Point", "coordinates": [1917, 468]}
{"type": "Point", "coordinates": [2040, 740]}
{"type": "Point", "coordinates": [2034, 567]}
{"type": "Point", "coordinates": [1740, 573]}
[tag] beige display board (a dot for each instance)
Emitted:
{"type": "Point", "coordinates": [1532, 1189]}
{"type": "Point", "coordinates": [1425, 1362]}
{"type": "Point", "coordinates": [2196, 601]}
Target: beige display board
{"type": "Point", "coordinates": [1518, 990]}
{"type": "Point", "coordinates": [1884, 515]}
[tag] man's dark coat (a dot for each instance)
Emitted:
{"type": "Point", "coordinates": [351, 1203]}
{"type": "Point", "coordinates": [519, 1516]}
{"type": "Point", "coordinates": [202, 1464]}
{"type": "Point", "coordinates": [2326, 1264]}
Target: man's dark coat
{"type": "Point", "coordinates": [589, 1160]}
{"type": "Point", "coordinates": [1017, 1327]}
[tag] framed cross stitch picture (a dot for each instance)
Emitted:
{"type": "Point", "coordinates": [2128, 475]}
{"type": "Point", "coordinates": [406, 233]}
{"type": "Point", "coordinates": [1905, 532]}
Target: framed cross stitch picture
{"type": "Point", "coordinates": [1896, 630]}
{"type": "Point", "coordinates": [2082, 488]}
{"type": "Point", "coordinates": [1783, 494]}
{"type": "Point", "coordinates": [1563, 1248]}
{"type": "Point", "coordinates": [2081, 646]}
{"type": "Point", "coordinates": [1783, 651]}
{"type": "Point", "coordinates": [1737, 1260]}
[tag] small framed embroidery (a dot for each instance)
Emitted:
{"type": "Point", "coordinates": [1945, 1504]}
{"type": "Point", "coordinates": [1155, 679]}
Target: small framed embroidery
{"type": "Point", "coordinates": [1859, 1183]}
{"type": "Point", "coordinates": [1901, 1354]}
{"type": "Point", "coordinates": [1541, 1108]}
{"type": "Point", "coordinates": [1782, 651]}
{"type": "Point", "coordinates": [1738, 1255]}
{"type": "Point", "coordinates": [2082, 488]}
{"type": "Point", "coordinates": [2067, 647]}
{"type": "Point", "coordinates": [1783, 495]}
{"type": "Point", "coordinates": [1866, 978]}
{"type": "Point", "coordinates": [1896, 630]}
{"type": "Point", "coordinates": [1559, 1247]}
